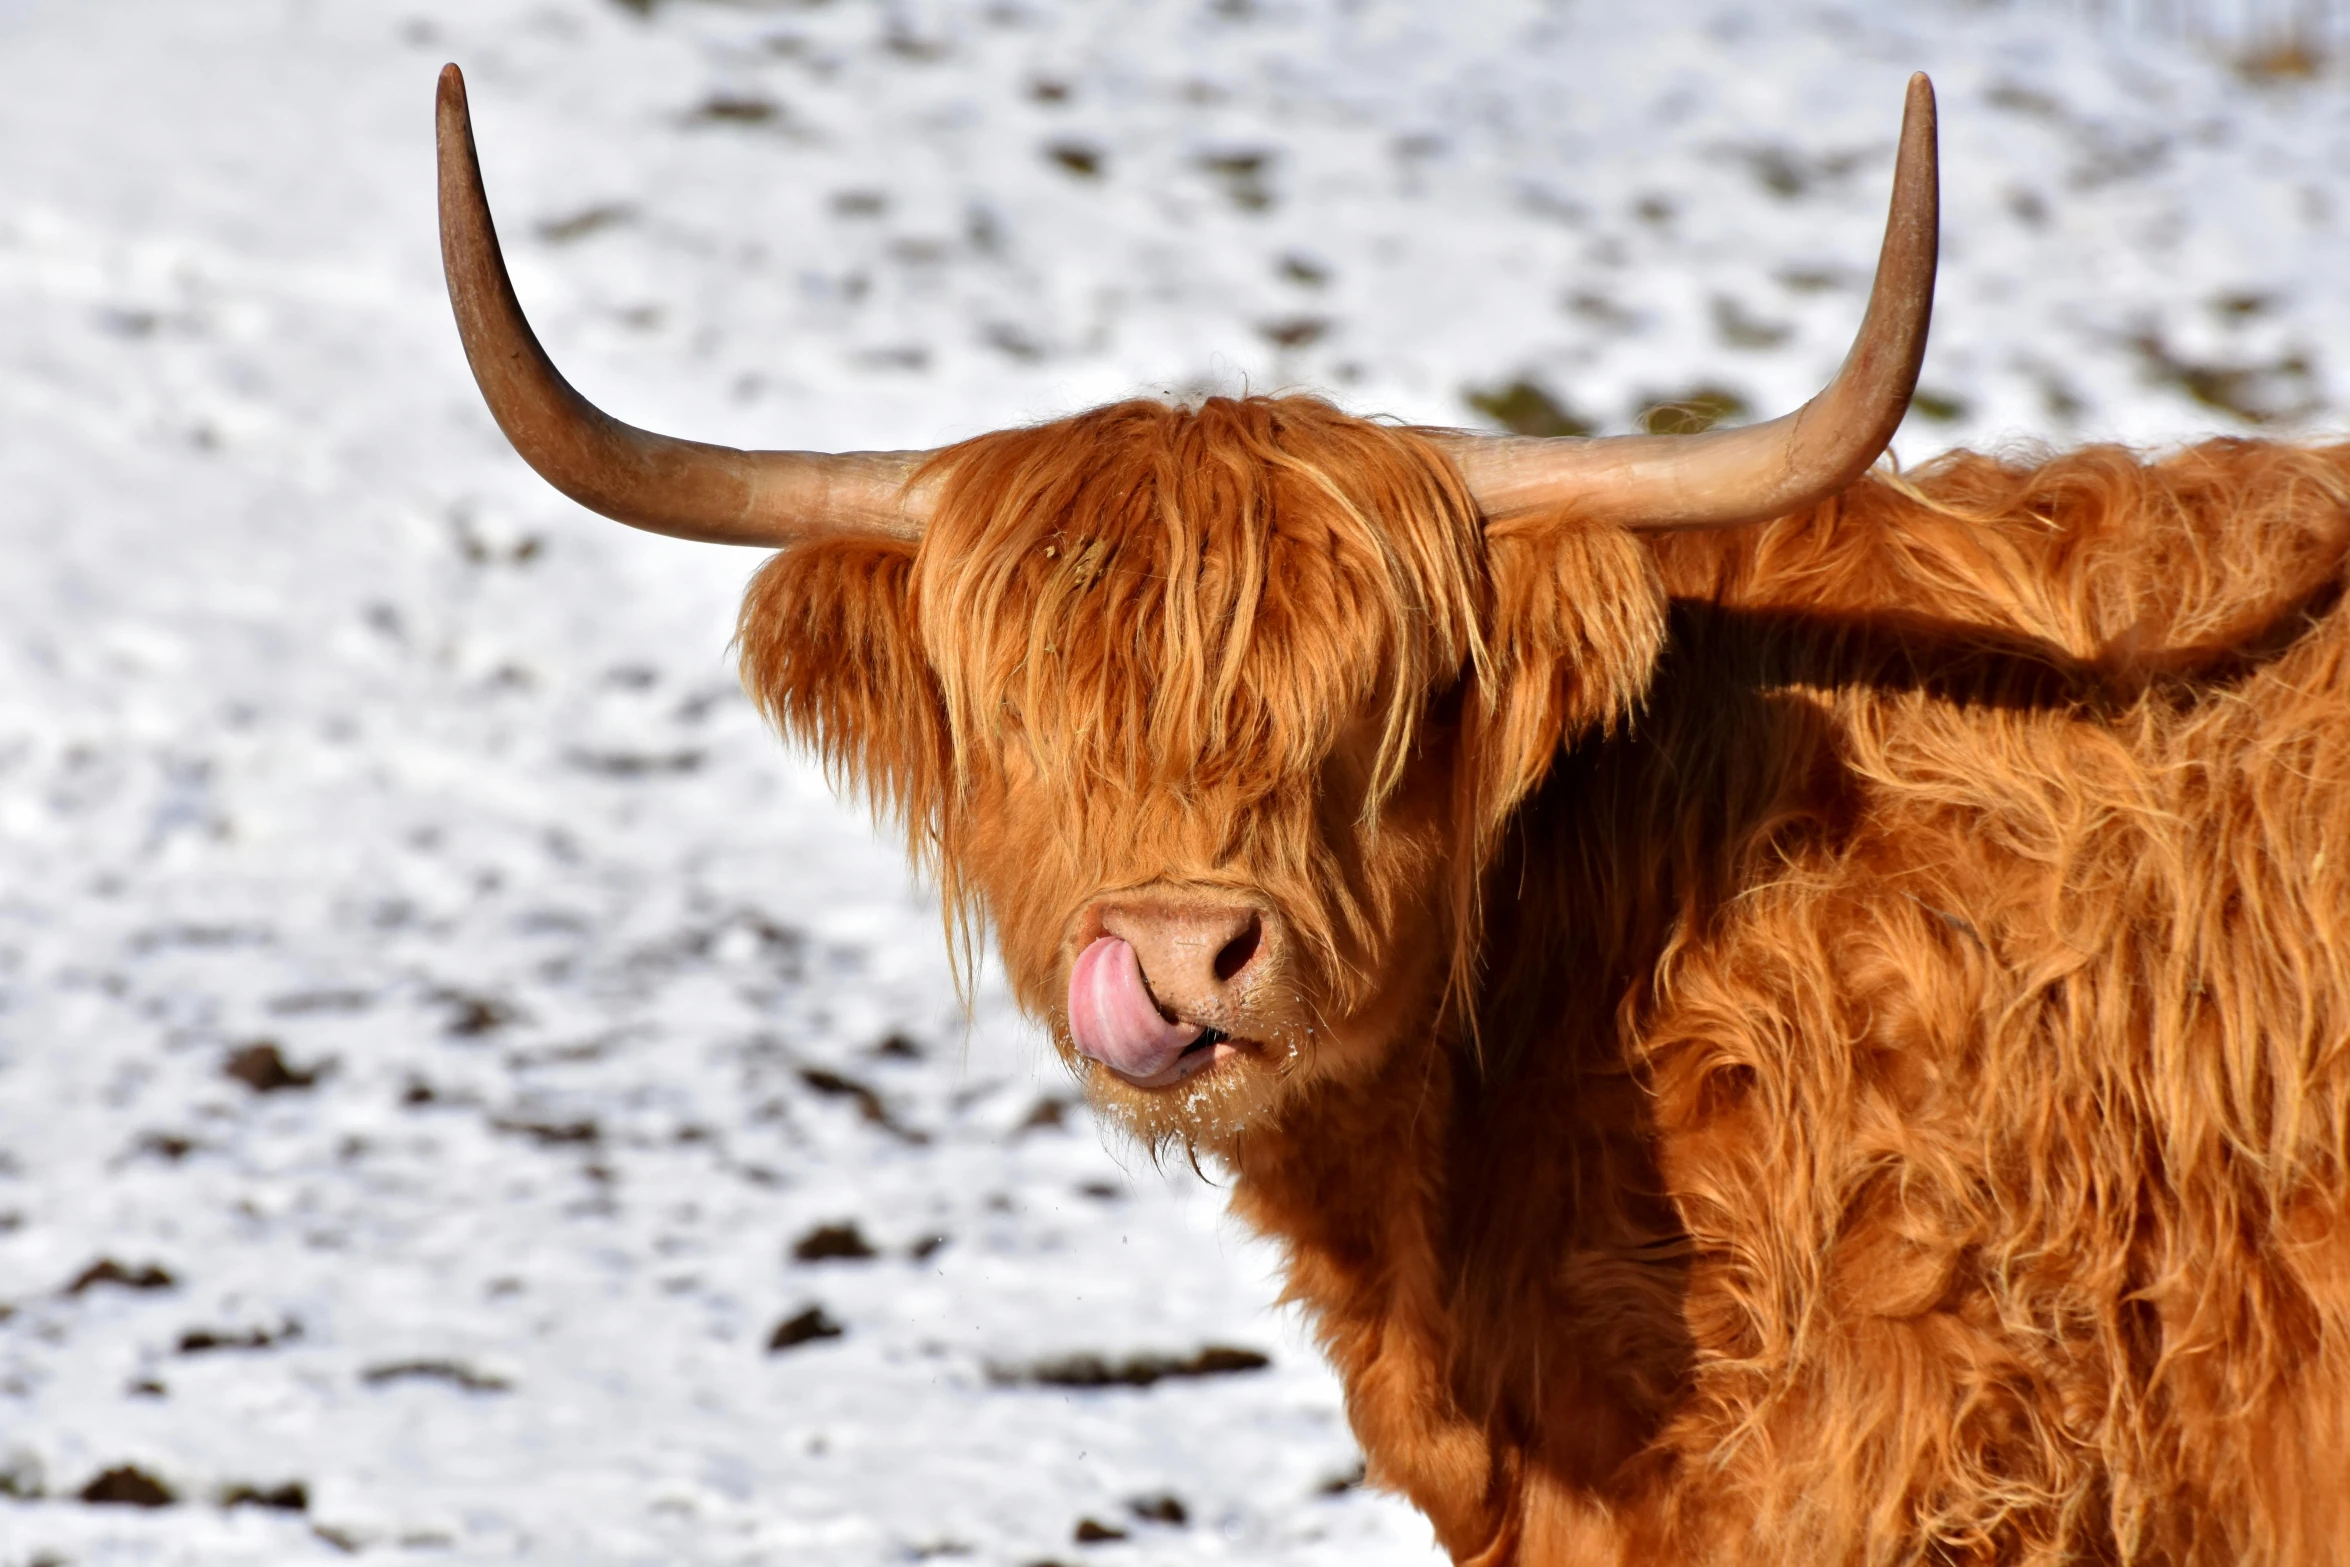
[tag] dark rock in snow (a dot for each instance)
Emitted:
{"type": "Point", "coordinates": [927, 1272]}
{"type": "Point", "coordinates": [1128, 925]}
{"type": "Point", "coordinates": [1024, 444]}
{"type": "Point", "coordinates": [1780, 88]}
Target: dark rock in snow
{"type": "Point", "coordinates": [146, 1276]}
{"type": "Point", "coordinates": [836, 1085]}
{"type": "Point", "coordinates": [260, 1067]}
{"type": "Point", "coordinates": [636, 764]}
{"type": "Point", "coordinates": [291, 1497]}
{"type": "Point", "coordinates": [805, 1328]}
{"type": "Point", "coordinates": [833, 1243]}
{"type": "Point", "coordinates": [1048, 1113]}
{"type": "Point", "coordinates": [471, 1016]}
{"type": "Point", "coordinates": [349, 1541]}
{"type": "Point", "coordinates": [1339, 1485]}
{"type": "Point", "coordinates": [199, 1341]}
{"type": "Point", "coordinates": [454, 1372]}
{"type": "Point", "coordinates": [553, 1134]}
{"type": "Point", "coordinates": [305, 1002]}
{"type": "Point", "coordinates": [1078, 158]}
{"type": "Point", "coordinates": [1091, 1371]}
{"type": "Point", "coordinates": [127, 1485]}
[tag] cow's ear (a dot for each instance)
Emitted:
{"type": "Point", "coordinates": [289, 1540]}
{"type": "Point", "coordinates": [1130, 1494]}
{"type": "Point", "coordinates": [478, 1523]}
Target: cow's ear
{"type": "Point", "coordinates": [831, 656]}
{"type": "Point", "coordinates": [1574, 621]}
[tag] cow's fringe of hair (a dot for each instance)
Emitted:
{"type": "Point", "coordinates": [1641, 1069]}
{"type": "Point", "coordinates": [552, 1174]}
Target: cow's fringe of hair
{"type": "Point", "coordinates": [1139, 586]}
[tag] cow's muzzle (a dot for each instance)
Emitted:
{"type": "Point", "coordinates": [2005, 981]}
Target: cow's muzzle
{"type": "Point", "coordinates": [1164, 989]}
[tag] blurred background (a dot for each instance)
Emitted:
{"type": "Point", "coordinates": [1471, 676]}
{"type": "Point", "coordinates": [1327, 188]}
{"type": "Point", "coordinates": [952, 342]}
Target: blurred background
{"type": "Point", "coordinates": [465, 1090]}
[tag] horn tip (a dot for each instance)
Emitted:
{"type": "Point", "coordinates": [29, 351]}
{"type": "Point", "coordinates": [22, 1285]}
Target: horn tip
{"type": "Point", "coordinates": [452, 87]}
{"type": "Point", "coordinates": [1920, 121]}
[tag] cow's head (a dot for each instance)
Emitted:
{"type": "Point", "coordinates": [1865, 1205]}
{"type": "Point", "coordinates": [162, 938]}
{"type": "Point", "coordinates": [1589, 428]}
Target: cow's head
{"type": "Point", "coordinates": [1212, 714]}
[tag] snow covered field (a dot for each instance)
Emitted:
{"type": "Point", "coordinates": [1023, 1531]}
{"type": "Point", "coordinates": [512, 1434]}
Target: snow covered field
{"type": "Point", "coordinates": [434, 1016]}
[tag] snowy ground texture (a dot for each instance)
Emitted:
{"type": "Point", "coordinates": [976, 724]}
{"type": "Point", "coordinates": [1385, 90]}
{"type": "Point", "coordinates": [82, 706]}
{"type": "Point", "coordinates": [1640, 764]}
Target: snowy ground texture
{"type": "Point", "coordinates": [433, 1013]}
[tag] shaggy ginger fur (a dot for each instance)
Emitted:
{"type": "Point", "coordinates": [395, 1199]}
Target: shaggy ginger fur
{"type": "Point", "coordinates": [1821, 1043]}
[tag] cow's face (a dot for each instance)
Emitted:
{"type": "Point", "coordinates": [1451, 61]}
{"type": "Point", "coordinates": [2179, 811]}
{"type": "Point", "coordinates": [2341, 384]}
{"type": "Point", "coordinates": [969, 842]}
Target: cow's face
{"type": "Point", "coordinates": [1212, 715]}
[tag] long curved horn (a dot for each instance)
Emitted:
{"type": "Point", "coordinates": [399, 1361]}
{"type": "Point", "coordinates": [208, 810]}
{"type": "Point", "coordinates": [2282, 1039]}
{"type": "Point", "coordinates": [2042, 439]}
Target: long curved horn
{"type": "Point", "coordinates": [1764, 470]}
{"type": "Point", "coordinates": [684, 488]}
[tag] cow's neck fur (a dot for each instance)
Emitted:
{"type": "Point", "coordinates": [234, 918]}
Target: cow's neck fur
{"type": "Point", "coordinates": [1489, 1330]}
{"type": "Point", "coordinates": [1481, 1232]}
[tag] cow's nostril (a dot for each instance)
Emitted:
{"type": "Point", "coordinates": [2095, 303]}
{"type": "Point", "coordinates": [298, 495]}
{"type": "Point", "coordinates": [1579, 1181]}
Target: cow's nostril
{"type": "Point", "coordinates": [1236, 953]}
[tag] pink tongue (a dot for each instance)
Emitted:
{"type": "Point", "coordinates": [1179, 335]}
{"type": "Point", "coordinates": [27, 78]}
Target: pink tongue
{"type": "Point", "coordinates": [1112, 1017]}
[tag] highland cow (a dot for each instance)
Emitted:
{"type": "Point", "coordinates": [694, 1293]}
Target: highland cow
{"type": "Point", "coordinates": [1783, 1013]}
